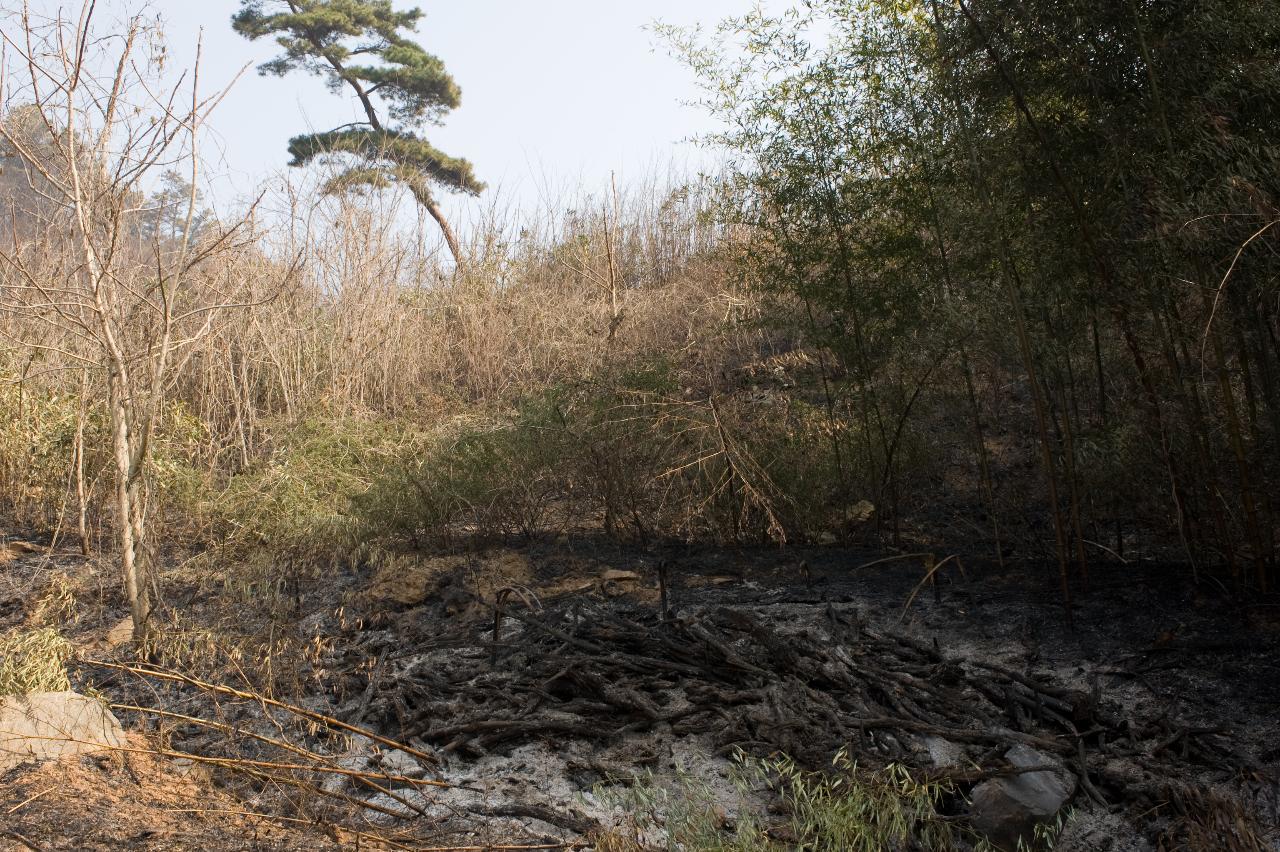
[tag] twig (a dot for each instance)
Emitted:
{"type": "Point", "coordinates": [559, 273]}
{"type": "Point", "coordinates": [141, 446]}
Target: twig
{"type": "Point", "coordinates": [29, 800]}
{"type": "Point", "coordinates": [886, 559]}
{"type": "Point", "coordinates": [281, 744]}
{"type": "Point", "coordinates": [329, 721]}
{"type": "Point", "coordinates": [933, 572]}
{"type": "Point", "coordinates": [503, 848]}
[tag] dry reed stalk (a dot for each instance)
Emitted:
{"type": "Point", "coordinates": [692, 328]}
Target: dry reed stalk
{"type": "Point", "coordinates": [323, 769]}
{"type": "Point", "coordinates": [328, 721]}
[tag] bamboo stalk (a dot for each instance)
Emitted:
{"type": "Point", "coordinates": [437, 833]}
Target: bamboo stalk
{"type": "Point", "coordinates": [329, 721]}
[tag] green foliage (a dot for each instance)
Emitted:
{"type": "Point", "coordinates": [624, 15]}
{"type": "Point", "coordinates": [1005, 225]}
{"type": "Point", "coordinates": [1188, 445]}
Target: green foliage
{"type": "Point", "coordinates": [58, 605]}
{"type": "Point", "coordinates": [847, 809]}
{"type": "Point", "coordinates": [497, 479]}
{"type": "Point", "coordinates": [1086, 193]}
{"type": "Point", "coordinates": [297, 503]}
{"type": "Point", "coordinates": [850, 809]}
{"type": "Point", "coordinates": [407, 157]}
{"type": "Point", "coordinates": [37, 437]}
{"type": "Point", "coordinates": [174, 471]}
{"type": "Point", "coordinates": [1045, 834]}
{"type": "Point", "coordinates": [362, 44]}
{"type": "Point", "coordinates": [625, 452]}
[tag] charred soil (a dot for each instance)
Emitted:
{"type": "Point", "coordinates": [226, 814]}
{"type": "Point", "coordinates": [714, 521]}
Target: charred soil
{"type": "Point", "coordinates": [526, 683]}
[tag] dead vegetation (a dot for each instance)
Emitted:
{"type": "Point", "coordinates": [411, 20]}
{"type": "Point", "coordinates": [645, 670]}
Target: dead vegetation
{"type": "Point", "coordinates": [409, 533]}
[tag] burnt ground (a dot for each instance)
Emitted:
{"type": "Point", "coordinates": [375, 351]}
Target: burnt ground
{"type": "Point", "coordinates": [1160, 695]}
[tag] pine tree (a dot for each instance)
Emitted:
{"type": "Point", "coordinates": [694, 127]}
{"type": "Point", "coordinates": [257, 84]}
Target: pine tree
{"type": "Point", "coordinates": [401, 90]}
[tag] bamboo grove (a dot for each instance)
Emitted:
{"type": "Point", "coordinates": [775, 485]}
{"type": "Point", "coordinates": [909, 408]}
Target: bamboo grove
{"type": "Point", "coordinates": [1080, 196]}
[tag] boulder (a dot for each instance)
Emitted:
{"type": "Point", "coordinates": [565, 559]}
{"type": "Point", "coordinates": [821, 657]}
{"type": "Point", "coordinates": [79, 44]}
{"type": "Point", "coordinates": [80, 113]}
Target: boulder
{"type": "Point", "coordinates": [50, 725]}
{"type": "Point", "coordinates": [1006, 809]}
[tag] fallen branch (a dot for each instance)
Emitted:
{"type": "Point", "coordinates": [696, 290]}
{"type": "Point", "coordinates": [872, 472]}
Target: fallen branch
{"type": "Point", "coordinates": [328, 721]}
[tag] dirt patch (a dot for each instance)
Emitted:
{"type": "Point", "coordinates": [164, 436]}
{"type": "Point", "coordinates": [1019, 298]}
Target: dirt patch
{"type": "Point", "coordinates": [411, 580]}
{"type": "Point", "coordinates": [133, 801]}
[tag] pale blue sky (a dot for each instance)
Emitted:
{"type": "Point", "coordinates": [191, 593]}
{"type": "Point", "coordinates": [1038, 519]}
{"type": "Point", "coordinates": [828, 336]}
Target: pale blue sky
{"type": "Point", "coordinates": [556, 94]}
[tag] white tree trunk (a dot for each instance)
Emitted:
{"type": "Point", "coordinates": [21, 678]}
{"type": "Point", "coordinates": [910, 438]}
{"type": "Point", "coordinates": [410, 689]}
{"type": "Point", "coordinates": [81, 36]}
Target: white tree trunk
{"type": "Point", "coordinates": [129, 509]}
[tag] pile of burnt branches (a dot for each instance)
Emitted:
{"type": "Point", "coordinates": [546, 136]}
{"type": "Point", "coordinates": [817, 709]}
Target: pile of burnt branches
{"type": "Point", "coordinates": [803, 681]}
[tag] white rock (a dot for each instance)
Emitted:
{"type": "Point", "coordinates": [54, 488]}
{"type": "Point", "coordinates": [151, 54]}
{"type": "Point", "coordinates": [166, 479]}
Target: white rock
{"type": "Point", "coordinates": [50, 725]}
{"type": "Point", "coordinates": [944, 753]}
{"type": "Point", "coordinates": [401, 764]}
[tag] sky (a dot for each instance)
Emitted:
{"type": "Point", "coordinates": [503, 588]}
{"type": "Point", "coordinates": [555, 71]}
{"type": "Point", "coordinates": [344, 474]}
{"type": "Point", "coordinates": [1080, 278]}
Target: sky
{"type": "Point", "coordinates": [556, 94]}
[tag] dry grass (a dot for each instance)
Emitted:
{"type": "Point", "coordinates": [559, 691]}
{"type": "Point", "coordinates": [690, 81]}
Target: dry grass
{"type": "Point", "coordinates": [34, 661]}
{"type": "Point", "coordinates": [138, 800]}
{"type": "Point", "coordinates": [372, 327]}
{"type": "Point", "coordinates": [12, 550]}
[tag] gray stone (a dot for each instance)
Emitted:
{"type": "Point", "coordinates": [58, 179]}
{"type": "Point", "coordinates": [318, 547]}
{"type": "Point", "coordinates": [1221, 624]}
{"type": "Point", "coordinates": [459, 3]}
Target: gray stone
{"type": "Point", "coordinates": [193, 769]}
{"type": "Point", "coordinates": [1006, 809]}
{"type": "Point", "coordinates": [50, 725]}
{"type": "Point", "coordinates": [401, 764]}
{"type": "Point", "coordinates": [944, 753]}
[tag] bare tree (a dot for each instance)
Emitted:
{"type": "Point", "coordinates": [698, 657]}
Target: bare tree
{"type": "Point", "coordinates": [82, 284]}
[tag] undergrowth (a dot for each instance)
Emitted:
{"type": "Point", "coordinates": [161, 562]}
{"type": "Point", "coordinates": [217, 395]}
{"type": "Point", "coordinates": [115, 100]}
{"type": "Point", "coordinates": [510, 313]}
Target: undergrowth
{"type": "Point", "coordinates": [33, 661]}
{"type": "Point", "coordinates": [846, 809]}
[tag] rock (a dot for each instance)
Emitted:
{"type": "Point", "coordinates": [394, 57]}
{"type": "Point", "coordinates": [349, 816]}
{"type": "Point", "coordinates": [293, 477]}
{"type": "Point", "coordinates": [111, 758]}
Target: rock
{"type": "Point", "coordinates": [401, 764]}
{"type": "Point", "coordinates": [944, 753]}
{"type": "Point", "coordinates": [50, 725]}
{"type": "Point", "coordinates": [1006, 809]}
{"type": "Point", "coordinates": [188, 768]}
{"type": "Point", "coordinates": [121, 633]}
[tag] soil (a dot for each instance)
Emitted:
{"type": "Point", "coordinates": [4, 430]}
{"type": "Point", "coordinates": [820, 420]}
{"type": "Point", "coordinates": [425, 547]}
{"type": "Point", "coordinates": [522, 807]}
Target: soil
{"type": "Point", "coordinates": [133, 800]}
{"type": "Point", "coordinates": [1160, 692]}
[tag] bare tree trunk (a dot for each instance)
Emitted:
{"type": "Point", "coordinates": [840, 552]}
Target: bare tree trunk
{"type": "Point", "coordinates": [450, 239]}
{"type": "Point", "coordinates": [128, 505]}
{"type": "Point", "coordinates": [82, 495]}
{"type": "Point", "coordinates": [129, 317]}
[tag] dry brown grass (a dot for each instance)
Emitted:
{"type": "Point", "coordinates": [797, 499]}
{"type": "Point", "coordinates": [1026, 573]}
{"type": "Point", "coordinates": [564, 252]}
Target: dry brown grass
{"type": "Point", "coordinates": [373, 327]}
{"type": "Point", "coordinates": [12, 550]}
{"type": "Point", "coordinates": [136, 800]}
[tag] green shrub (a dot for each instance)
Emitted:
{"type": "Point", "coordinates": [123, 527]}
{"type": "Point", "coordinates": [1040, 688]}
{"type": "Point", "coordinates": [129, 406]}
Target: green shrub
{"type": "Point", "coordinates": [297, 504]}
{"type": "Point", "coordinates": [851, 810]}
{"type": "Point", "coordinates": [846, 809]}
{"type": "Point", "coordinates": [37, 437]}
{"type": "Point", "coordinates": [37, 451]}
{"type": "Point", "coordinates": [626, 453]}
{"type": "Point", "coordinates": [492, 479]}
